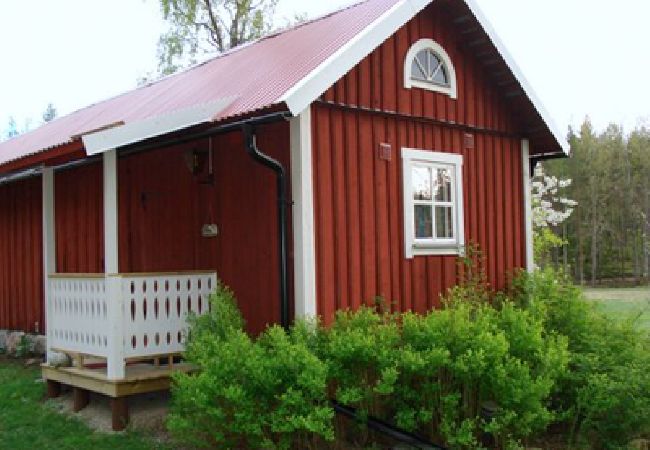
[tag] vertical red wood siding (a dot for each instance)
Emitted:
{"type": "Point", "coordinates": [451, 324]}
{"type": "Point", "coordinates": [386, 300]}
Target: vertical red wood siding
{"type": "Point", "coordinates": [163, 207]}
{"type": "Point", "coordinates": [358, 197]}
{"type": "Point", "coordinates": [79, 218]}
{"type": "Point", "coordinates": [21, 261]}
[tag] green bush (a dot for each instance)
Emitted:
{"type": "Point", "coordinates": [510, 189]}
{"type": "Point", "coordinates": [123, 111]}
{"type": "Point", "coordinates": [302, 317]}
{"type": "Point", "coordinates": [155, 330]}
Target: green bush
{"type": "Point", "coordinates": [434, 373]}
{"type": "Point", "coordinates": [264, 393]}
{"type": "Point", "coordinates": [604, 396]}
{"type": "Point", "coordinates": [485, 367]}
{"type": "Point", "coordinates": [359, 350]}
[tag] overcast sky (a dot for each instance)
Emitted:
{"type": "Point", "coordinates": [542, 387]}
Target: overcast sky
{"type": "Point", "coordinates": [582, 57]}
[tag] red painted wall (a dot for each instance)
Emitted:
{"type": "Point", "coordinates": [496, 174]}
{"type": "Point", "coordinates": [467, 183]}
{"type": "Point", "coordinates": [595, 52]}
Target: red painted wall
{"type": "Point", "coordinates": [21, 262]}
{"type": "Point", "coordinates": [163, 207]}
{"type": "Point", "coordinates": [358, 197]}
{"type": "Point", "coordinates": [79, 218]}
{"type": "Point", "coordinates": [359, 224]}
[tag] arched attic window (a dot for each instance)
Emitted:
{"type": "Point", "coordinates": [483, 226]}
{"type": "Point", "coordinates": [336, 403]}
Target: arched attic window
{"type": "Point", "coordinates": [428, 66]}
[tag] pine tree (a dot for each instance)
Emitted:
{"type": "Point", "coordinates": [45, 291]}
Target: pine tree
{"type": "Point", "coordinates": [50, 113]}
{"type": "Point", "coordinates": [12, 128]}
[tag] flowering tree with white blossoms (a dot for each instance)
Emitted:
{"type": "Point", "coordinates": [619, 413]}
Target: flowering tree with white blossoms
{"type": "Point", "coordinates": [550, 210]}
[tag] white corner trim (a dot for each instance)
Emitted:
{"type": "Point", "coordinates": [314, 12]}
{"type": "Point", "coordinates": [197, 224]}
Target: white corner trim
{"type": "Point", "coordinates": [49, 246]}
{"type": "Point", "coordinates": [528, 205]}
{"type": "Point", "coordinates": [411, 247]}
{"type": "Point", "coordinates": [423, 44]}
{"type": "Point", "coordinates": [516, 71]}
{"type": "Point", "coordinates": [111, 242]}
{"type": "Point", "coordinates": [304, 241]}
{"type": "Point", "coordinates": [303, 93]}
{"type": "Point", "coordinates": [105, 140]}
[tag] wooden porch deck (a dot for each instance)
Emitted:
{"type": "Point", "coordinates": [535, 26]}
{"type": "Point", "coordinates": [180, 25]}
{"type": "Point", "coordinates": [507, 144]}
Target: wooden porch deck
{"type": "Point", "coordinates": [140, 378]}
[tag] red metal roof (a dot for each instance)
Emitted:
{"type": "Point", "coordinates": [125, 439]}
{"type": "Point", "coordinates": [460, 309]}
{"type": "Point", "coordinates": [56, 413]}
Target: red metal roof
{"type": "Point", "coordinates": [255, 75]}
{"type": "Point", "coordinates": [289, 68]}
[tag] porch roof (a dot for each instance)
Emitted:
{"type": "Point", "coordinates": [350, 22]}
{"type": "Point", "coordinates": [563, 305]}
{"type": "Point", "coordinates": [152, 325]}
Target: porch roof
{"type": "Point", "coordinates": [290, 68]}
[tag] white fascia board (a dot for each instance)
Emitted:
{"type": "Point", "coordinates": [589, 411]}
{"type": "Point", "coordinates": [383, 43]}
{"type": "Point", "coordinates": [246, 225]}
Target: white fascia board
{"type": "Point", "coordinates": [303, 93]}
{"type": "Point", "coordinates": [516, 71]}
{"type": "Point", "coordinates": [112, 138]}
{"type": "Point", "coordinates": [308, 89]}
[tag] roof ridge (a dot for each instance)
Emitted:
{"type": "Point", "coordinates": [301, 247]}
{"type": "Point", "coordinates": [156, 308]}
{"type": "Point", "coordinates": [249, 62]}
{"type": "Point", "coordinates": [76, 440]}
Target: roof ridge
{"type": "Point", "coordinates": [273, 34]}
{"type": "Point", "coordinates": [218, 56]}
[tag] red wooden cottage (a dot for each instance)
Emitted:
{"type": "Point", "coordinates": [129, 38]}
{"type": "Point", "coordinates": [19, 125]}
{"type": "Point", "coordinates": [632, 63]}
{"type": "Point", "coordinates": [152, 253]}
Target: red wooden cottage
{"type": "Point", "coordinates": [350, 157]}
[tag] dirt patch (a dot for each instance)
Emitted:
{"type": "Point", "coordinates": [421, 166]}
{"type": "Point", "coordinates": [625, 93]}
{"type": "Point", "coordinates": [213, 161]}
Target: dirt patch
{"type": "Point", "coordinates": [148, 412]}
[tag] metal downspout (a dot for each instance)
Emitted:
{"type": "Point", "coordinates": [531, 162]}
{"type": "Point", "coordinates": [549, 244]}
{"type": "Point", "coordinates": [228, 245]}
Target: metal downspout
{"type": "Point", "coordinates": [250, 143]}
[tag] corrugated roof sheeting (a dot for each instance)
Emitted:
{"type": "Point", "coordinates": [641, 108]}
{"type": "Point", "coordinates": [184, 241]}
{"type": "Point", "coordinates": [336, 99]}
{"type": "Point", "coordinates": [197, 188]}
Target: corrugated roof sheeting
{"type": "Point", "coordinates": [257, 74]}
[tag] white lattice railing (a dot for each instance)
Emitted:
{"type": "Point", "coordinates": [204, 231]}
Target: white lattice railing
{"type": "Point", "coordinates": [125, 316]}
{"type": "Point", "coordinates": [156, 309]}
{"type": "Point", "coordinates": [79, 314]}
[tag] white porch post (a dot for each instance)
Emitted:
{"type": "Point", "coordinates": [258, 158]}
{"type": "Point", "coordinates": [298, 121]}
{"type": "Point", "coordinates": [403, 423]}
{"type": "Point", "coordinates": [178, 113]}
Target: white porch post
{"type": "Point", "coordinates": [528, 206]}
{"type": "Point", "coordinates": [110, 213]}
{"type": "Point", "coordinates": [115, 360]}
{"type": "Point", "coordinates": [49, 248]}
{"type": "Point", "coordinates": [304, 264]}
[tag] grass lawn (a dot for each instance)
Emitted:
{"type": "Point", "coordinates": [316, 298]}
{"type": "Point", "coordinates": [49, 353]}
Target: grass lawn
{"type": "Point", "coordinates": [27, 422]}
{"type": "Point", "coordinates": [623, 303]}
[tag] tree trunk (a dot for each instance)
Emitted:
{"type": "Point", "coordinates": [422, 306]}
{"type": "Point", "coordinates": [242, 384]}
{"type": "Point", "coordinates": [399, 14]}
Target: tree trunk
{"type": "Point", "coordinates": [646, 250]}
{"type": "Point", "coordinates": [565, 249]}
{"type": "Point", "coordinates": [579, 255]}
{"type": "Point", "coordinates": [635, 255]}
{"type": "Point", "coordinates": [594, 251]}
{"type": "Point", "coordinates": [621, 259]}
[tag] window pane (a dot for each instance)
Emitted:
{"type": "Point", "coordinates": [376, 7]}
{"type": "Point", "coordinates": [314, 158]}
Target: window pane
{"type": "Point", "coordinates": [422, 183]}
{"type": "Point", "coordinates": [428, 66]}
{"type": "Point", "coordinates": [444, 222]}
{"type": "Point", "coordinates": [416, 72]}
{"type": "Point", "coordinates": [441, 76]}
{"type": "Point", "coordinates": [423, 225]}
{"type": "Point", "coordinates": [424, 61]}
{"type": "Point", "coordinates": [443, 185]}
{"type": "Point", "coordinates": [434, 61]}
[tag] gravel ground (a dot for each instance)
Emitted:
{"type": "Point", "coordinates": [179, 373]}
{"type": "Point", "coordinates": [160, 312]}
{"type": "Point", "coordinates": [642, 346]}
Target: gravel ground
{"type": "Point", "coordinates": [147, 412]}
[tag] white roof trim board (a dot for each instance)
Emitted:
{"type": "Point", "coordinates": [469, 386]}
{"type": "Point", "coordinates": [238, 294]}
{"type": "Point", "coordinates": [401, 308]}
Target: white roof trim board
{"type": "Point", "coordinates": [130, 133]}
{"type": "Point", "coordinates": [308, 89]}
{"type": "Point", "coordinates": [303, 93]}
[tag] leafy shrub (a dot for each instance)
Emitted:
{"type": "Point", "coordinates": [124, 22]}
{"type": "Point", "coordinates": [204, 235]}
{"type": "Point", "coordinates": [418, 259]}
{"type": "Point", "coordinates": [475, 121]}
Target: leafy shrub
{"type": "Point", "coordinates": [264, 393]}
{"type": "Point", "coordinates": [604, 396]}
{"type": "Point", "coordinates": [434, 373]}
{"type": "Point", "coordinates": [359, 350]}
{"type": "Point", "coordinates": [485, 357]}
{"type": "Point", "coordinates": [487, 369]}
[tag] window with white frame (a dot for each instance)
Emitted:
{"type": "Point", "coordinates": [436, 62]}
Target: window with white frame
{"type": "Point", "coordinates": [428, 66]}
{"type": "Point", "coordinates": [433, 203]}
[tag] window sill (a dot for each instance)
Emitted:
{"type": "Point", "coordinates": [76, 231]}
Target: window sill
{"type": "Point", "coordinates": [435, 250]}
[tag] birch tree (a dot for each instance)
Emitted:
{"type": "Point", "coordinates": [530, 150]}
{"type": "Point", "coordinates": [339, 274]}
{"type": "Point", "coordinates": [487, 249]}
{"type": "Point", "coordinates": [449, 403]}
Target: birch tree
{"type": "Point", "coordinates": [206, 27]}
{"type": "Point", "coordinates": [551, 208]}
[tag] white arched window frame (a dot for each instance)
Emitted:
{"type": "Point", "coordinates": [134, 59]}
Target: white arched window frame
{"type": "Point", "coordinates": [450, 88]}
